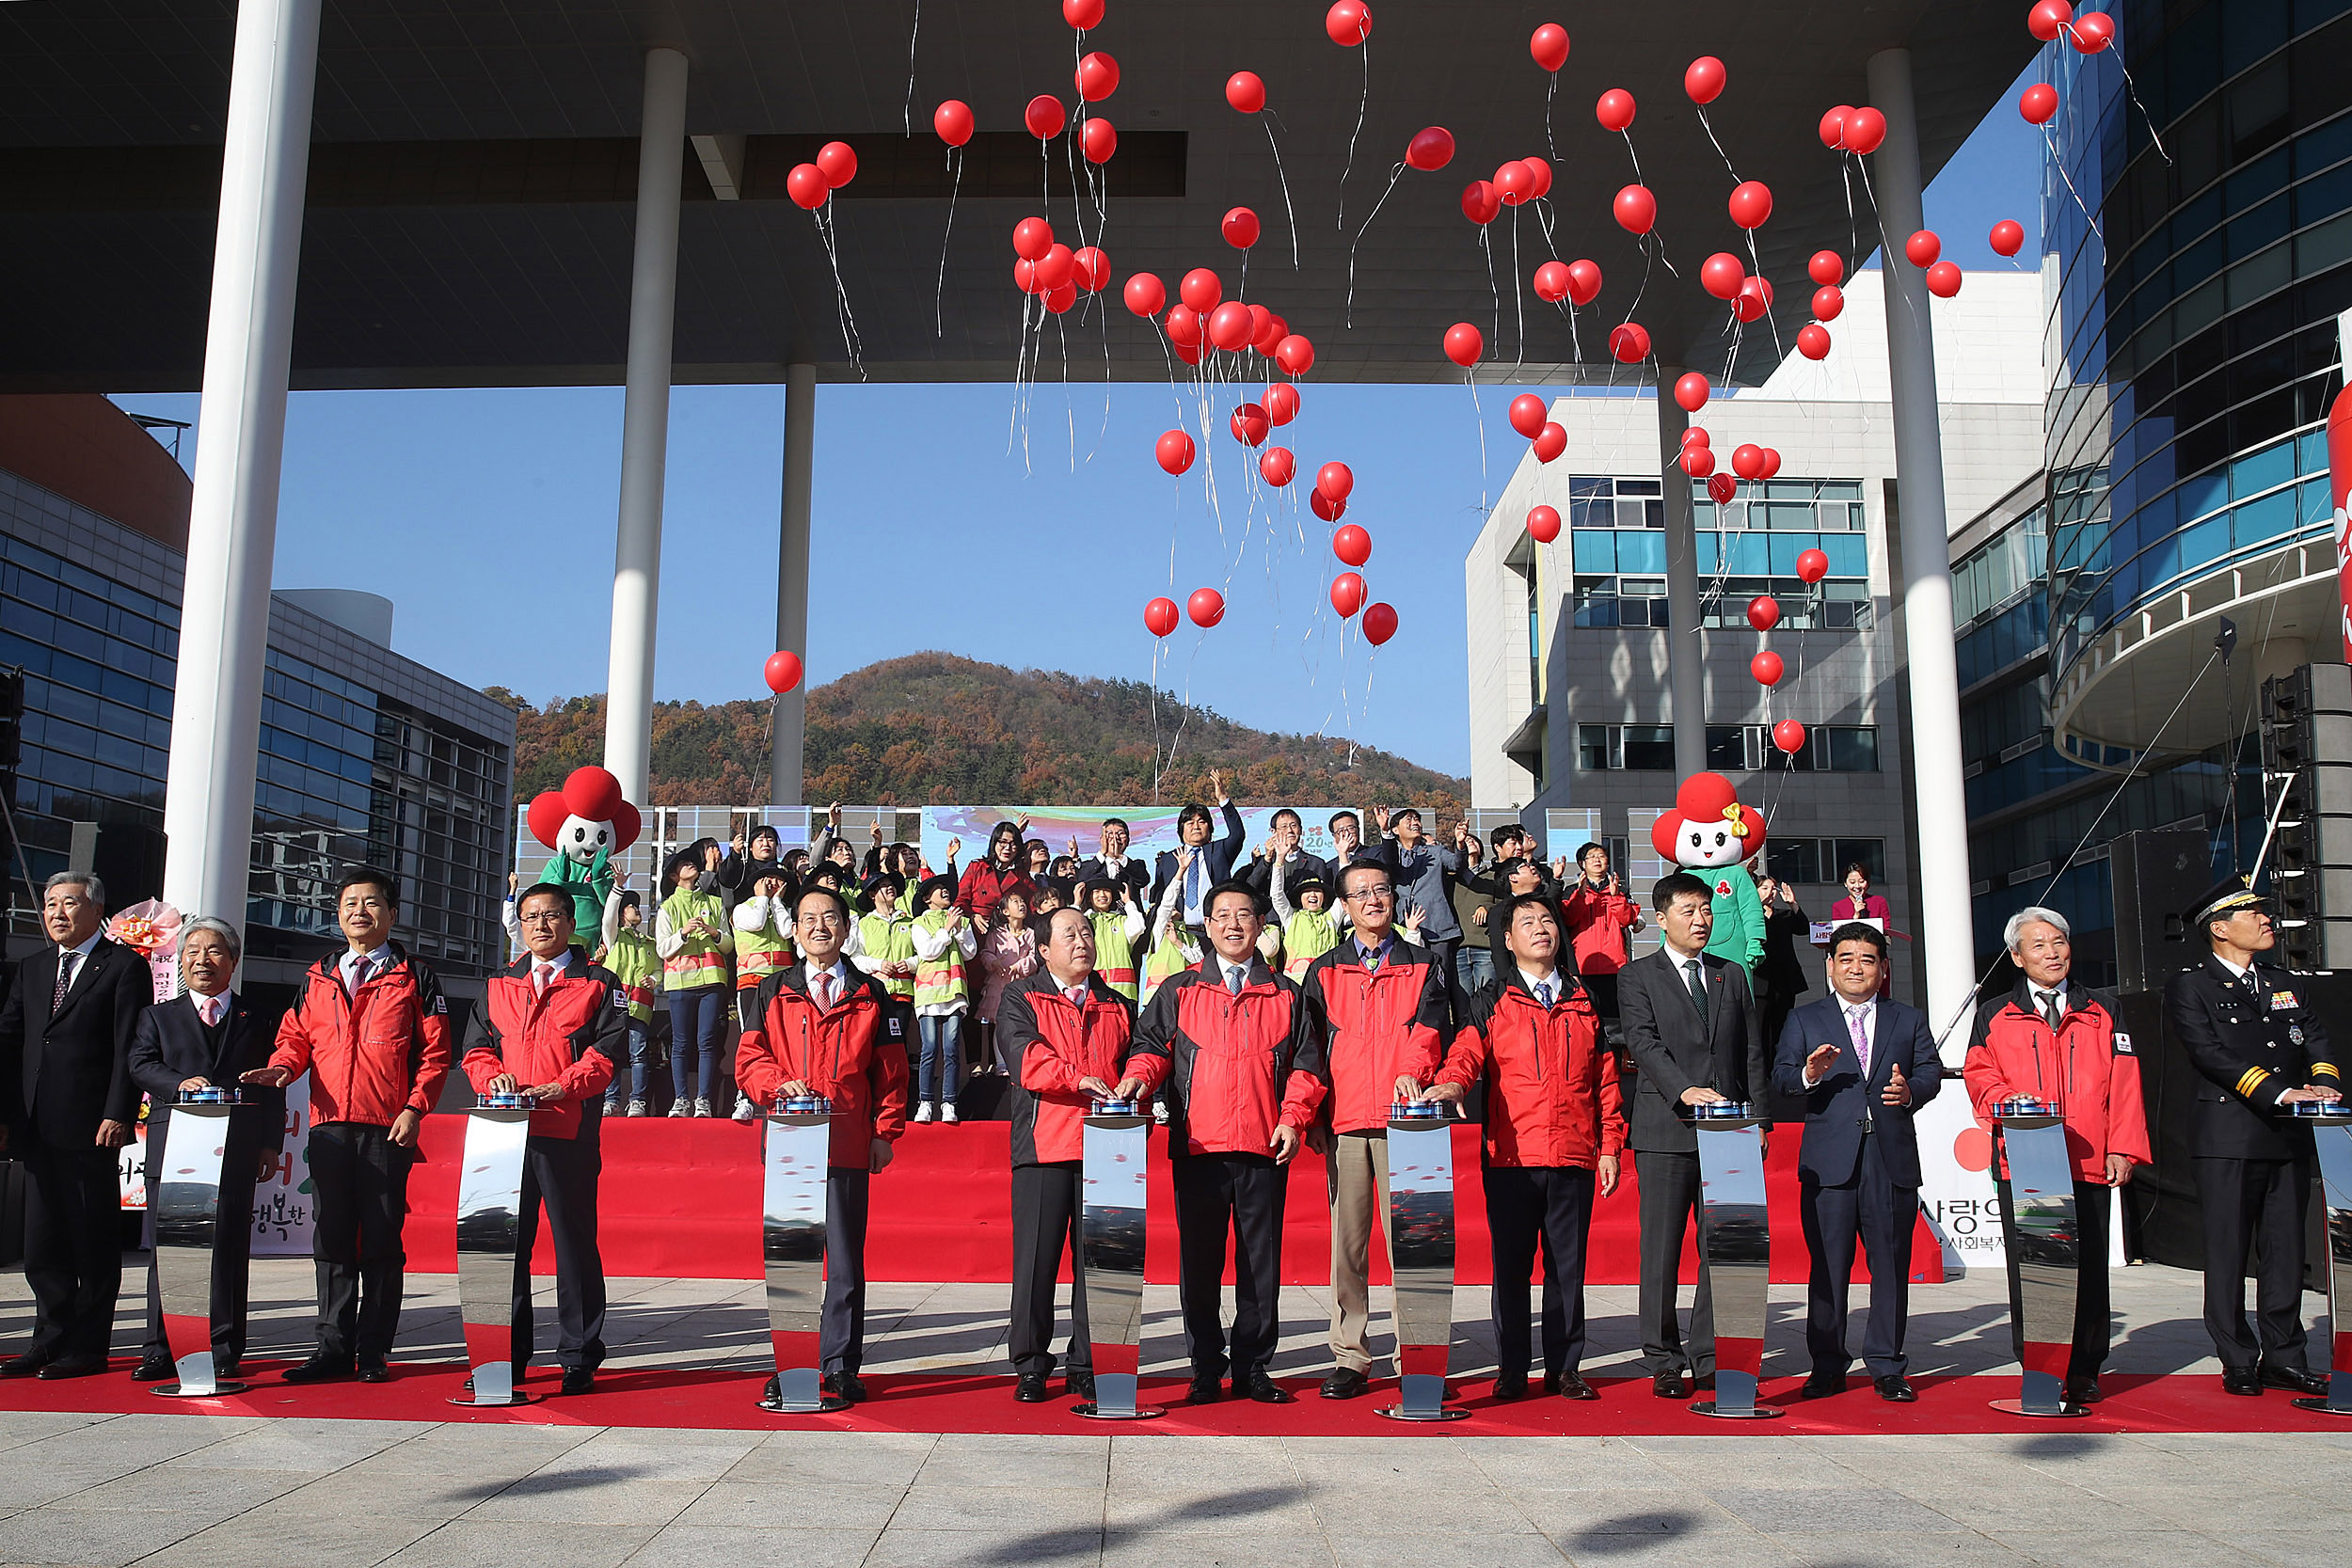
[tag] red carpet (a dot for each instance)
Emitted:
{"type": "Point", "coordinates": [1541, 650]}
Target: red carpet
{"type": "Point", "coordinates": [955, 1403]}
{"type": "Point", "coordinates": [680, 1199]}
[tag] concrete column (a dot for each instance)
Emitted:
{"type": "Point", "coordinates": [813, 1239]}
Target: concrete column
{"type": "Point", "coordinates": [800, 459]}
{"type": "Point", "coordinates": [232, 516]}
{"type": "Point", "coordinates": [1940, 839]}
{"type": "Point", "coordinates": [1686, 643]}
{"type": "Point", "coordinates": [646, 427]}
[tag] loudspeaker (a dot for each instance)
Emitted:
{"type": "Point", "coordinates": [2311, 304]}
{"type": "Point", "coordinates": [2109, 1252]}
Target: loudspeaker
{"type": "Point", "coordinates": [2155, 876]}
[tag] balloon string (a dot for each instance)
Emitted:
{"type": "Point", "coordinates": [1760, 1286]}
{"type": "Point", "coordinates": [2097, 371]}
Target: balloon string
{"type": "Point", "coordinates": [1362, 104]}
{"type": "Point", "coordinates": [939, 289]}
{"type": "Point", "coordinates": [1395, 175]}
{"type": "Point", "coordinates": [1070, 407]}
{"type": "Point", "coordinates": [1478, 418]}
{"type": "Point", "coordinates": [1518, 292]}
{"type": "Point", "coordinates": [1576, 343]}
{"type": "Point", "coordinates": [1543, 216]}
{"type": "Point", "coordinates": [1635, 157]}
{"type": "Point", "coordinates": [913, 34]}
{"type": "Point", "coordinates": [1492, 287]}
{"type": "Point", "coordinates": [2130, 88]}
{"type": "Point", "coordinates": [1285, 182]}
{"type": "Point", "coordinates": [2060, 164]}
{"type": "Point", "coordinates": [1551, 90]}
{"type": "Point", "coordinates": [850, 340]}
{"type": "Point", "coordinates": [1719, 146]}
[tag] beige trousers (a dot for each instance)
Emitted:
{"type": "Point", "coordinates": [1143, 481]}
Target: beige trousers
{"type": "Point", "coordinates": [1359, 1198]}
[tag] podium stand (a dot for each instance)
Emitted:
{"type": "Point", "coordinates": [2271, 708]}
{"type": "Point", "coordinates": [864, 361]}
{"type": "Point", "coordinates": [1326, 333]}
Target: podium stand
{"type": "Point", "coordinates": [1420, 1257]}
{"type": "Point", "coordinates": [1736, 1250]}
{"type": "Point", "coordinates": [2331, 1132]}
{"type": "Point", "coordinates": [792, 1240]}
{"type": "Point", "coordinates": [2045, 1245]}
{"type": "Point", "coordinates": [1110, 1247]}
{"type": "Point", "coordinates": [187, 1217]}
{"type": "Point", "coordinates": [489, 1214]}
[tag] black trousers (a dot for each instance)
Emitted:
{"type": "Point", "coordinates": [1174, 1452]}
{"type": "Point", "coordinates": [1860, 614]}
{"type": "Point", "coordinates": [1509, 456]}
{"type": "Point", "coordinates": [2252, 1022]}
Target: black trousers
{"type": "Point", "coordinates": [1670, 1200]}
{"type": "Point", "coordinates": [1883, 1215]}
{"type": "Point", "coordinates": [1046, 1204]}
{"type": "Point", "coordinates": [1527, 1207]}
{"type": "Point", "coordinates": [841, 1330]}
{"type": "Point", "coordinates": [2092, 1217]}
{"type": "Point", "coordinates": [233, 1248]}
{"type": "Point", "coordinates": [359, 1179]}
{"type": "Point", "coordinates": [1243, 1195]}
{"type": "Point", "coordinates": [560, 1175]}
{"type": "Point", "coordinates": [2256, 1203]}
{"type": "Point", "coordinates": [1441, 951]}
{"type": "Point", "coordinates": [73, 1245]}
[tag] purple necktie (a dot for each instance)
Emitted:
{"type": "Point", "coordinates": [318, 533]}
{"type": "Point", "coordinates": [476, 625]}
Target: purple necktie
{"type": "Point", "coordinates": [1854, 1017]}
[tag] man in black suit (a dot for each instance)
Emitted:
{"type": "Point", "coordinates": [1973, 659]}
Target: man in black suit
{"type": "Point", "coordinates": [1212, 861]}
{"type": "Point", "coordinates": [1696, 1037]}
{"type": "Point", "coordinates": [1114, 865]}
{"type": "Point", "coordinates": [1863, 1064]}
{"type": "Point", "coordinates": [65, 1050]}
{"type": "Point", "coordinates": [203, 1037]}
{"type": "Point", "coordinates": [1283, 844]}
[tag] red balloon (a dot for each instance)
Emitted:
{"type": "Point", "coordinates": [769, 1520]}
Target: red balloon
{"type": "Point", "coordinates": [1190, 352]}
{"type": "Point", "coordinates": [783, 670]}
{"type": "Point", "coordinates": [1542, 171]}
{"type": "Point", "coordinates": [1098, 138]}
{"type": "Point", "coordinates": [1481, 201]}
{"type": "Point", "coordinates": [1276, 466]}
{"type": "Point", "coordinates": [1245, 91]}
{"type": "Point", "coordinates": [1059, 300]}
{"type": "Point", "coordinates": [1865, 129]}
{"type": "Point", "coordinates": [1550, 442]}
{"type": "Point", "coordinates": [1184, 328]}
{"type": "Point", "coordinates": [1747, 460]}
{"type": "Point", "coordinates": [1550, 46]}
{"type": "Point", "coordinates": [1348, 23]}
{"type": "Point", "coordinates": [1336, 480]}
{"type": "Point", "coordinates": [2007, 237]}
{"type": "Point", "coordinates": [1249, 424]}
{"type": "Point", "coordinates": [1615, 109]}
{"type": "Point", "coordinates": [1228, 325]}
{"type": "Point", "coordinates": [1281, 403]}
{"type": "Point", "coordinates": [1175, 451]}
{"type": "Point", "coordinates": [1097, 76]}
{"type": "Point", "coordinates": [1751, 203]}
{"type": "Point", "coordinates": [1721, 488]}
{"type": "Point", "coordinates": [1025, 276]}
{"type": "Point", "coordinates": [1351, 543]}
{"type": "Point", "coordinates": [1722, 274]}
{"type": "Point", "coordinates": [2093, 31]}
{"type": "Point", "coordinates": [1207, 606]}
{"type": "Point", "coordinates": [1379, 624]}
{"type": "Point", "coordinates": [2037, 104]}
{"type": "Point", "coordinates": [1629, 344]}
{"type": "Point", "coordinates": [953, 121]}
{"type": "Point", "coordinates": [1766, 667]}
{"type": "Point", "coordinates": [1055, 266]}
{"type": "Point", "coordinates": [1753, 301]}
{"type": "Point", "coordinates": [1159, 616]}
{"type": "Point", "coordinates": [1789, 735]}
{"type": "Point", "coordinates": [1082, 15]}
{"type": "Point", "coordinates": [1826, 267]}
{"type": "Point", "coordinates": [838, 161]}
{"type": "Point", "coordinates": [1431, 149]}
{"type": "Point", "coordinates": [1044, 117]}
{"type": "Point", "coordinates": [1636, 210]}
{"type": "Point", "coordinates": [1543, 524]}
{"type": "Point", "coordinates": [1583, 282]}
{"type": "Point", "coordinates": [1944, 279]}
{"type": "Point", "coordinates": [1696, 436]}
{"type": "Point", "coordinates": [1552, 282]}
{"type": "Point", "coordinates": [1923, 247]}
{"type": "Point", "coordinates": [1032, 238]}
{"type": "Point", "coordinates": [1093, 268]}
{"type": "Point", "coordinates": [1812, 341]}
{"type": "Point", "coordinates": [1347, 593]}
{"type": "Point", "coordinates": [1528, 414]}
{"type": "Point", "coordinates": [1697, 461]}
{"type": "Point", "coordinates": [1464, 344]}
{"type": "Point", "coordinates": [1812, 566]}
{"type": "Point", "coordinates": [1829, 302]}
{"type": "Point", "coordinates": [1295, 354]}
{"type": "Point", "coordinates": [1763, 612]}
{"type": "Point", "coordinates": [1200, 290]}
{"type": "Point", "coordinates": [1325, 507]}
{"type": "Point", "coordinates": [1515, 183]}
{"type": "Point", "coordinates": [806, 187]}
{"type": "Point", "coordinates": [1703, 79]}
{"type": "Point", "coordinates": [1265, 329]}
{"type": "Point", "coordinates": [1834, 127]}
{"type": "Point", "coordinates": [1239, 228]}
{"type": "Point", "coordinates": [1691, 392]}
{"type": "Point", "coordinates": [1772, 462]}
{"type": "Point", "coordinates": [2048, 19]}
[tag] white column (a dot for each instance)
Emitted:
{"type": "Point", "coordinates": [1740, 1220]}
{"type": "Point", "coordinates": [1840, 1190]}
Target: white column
{"type": "Point", "coordinates": [646, 426]}
{"type": "Point", "coordinates": [232, 516]}
{"type": "Point", "coordinates": [1686, 643]}
{"type": "Point", "coordinates": [1939, 839]}
{"type": "Point", "coordinates": [799, 469]}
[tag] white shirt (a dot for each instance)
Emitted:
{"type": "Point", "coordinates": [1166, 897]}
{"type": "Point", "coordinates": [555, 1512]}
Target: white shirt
{"type": "Point", "coordinates": [545, 970]}
{"type": "Point", "coordinates": [2041, 995]}
{"type": "Point", "coordinates": [355, 964]}
{"type": "Point", "coordinates": [81, 955]}
{"type": "Point", "coordinates": [1225, 969]}
{"type": "Point", "coordinates": [210, 1009]}
{"type": "Point", "coordinates": [2235, 972]}
{"type": "Point", "coordinates": [1531, 980]}
{"type": "Point", "coordinates": [840, 973]}
{"type": "Point", "coordinates": [1869, 1008]}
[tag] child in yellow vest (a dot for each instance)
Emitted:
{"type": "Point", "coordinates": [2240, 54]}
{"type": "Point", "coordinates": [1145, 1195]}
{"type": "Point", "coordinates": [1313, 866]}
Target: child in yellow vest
{"type": "Point", "coordinates": [762, 947]}
{"type": "Point", "coordinates": [945, 942]}
{"type": "Point", "coordinates": [629, 954]}
{"type": "Point", "coordinates": [693, 935]}
{"type": "Point", "coordinates": [1117, 924]}
{"type": "Point", "coordinates": [1309, 930]}
{"type": "Point", "coordinates": [886, 939]}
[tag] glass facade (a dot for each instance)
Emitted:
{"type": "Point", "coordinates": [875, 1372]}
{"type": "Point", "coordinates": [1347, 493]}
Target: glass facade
{"type": "Point", "coordinates": [1746, 547]}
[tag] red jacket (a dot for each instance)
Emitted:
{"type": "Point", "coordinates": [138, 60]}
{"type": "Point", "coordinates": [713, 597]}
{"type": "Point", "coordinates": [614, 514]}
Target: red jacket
{"type": "Point", "coordinates": [1234, 1066]}
{"type": "Point", "coordinates": [1597, 924]}
{"type": "Point", "coordinates": [371, 1056]}
{"type": "Point", "coordinates": [2088, 1069]}
{"type": "Point", "coordinates": [1377, 1026]}
{"type": "Point", "coordinates": [573, 1035]}
{"type": "Point", "coordinates": [1552, 1095]}
{"type": "Point", "coordinates": [984, 887]}
{"type": "Point", "coordinates": [854, 1055]}
{"type": "Point", "coordinates": [1056, 1045]}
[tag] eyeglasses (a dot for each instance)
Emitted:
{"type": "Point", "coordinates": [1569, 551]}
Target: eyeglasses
{"type": "Point", "coordinates": [1369, 895]}
{"type": "Point", "coordinates": [543, 917]}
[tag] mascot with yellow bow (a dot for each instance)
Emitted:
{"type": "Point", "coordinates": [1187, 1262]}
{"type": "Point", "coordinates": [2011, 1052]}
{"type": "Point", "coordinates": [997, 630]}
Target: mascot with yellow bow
{"type": "Point", "coordinates": [1710, 833]}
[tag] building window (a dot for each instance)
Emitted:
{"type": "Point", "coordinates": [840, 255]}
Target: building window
{"type": "Point", "coordinates": [1827, 749]}
{"type": "Point", "coordinates": [1824, 861]}
{"type": "Point", "coordinates": [1642, 748]}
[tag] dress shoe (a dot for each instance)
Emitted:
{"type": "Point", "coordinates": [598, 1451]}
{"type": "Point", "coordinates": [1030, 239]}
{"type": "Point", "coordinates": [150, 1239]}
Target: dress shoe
{"type": "Point", "coordinates": [578, 1380]}
{"type": "Point", "coordinates": [1207, 1388]}
{"type": "Point", "coordinates": [1511, 1385]}
{"type": "Point", "coordinates": [1821, 1386]}
{"type": "Point", "coordinates": [153, 1367]}
{"type": "Point", "coordinates": [772, 1392]}
{"type": "Point", "coordinates": [2242, 1380]}
{"type": "Point", "coordinates": [1345, 1383]}
{"type": "Point", "coordinates": [223, 1370]}
{"type": "Point", "coordinates": [378, 1372]}
{"type": "Point", "coordinates": [319, 1369]}
{"type": "Point", "coordinates": [1895, 1390]}
{"type": "Point", "coordinates": [27, 1365]}
{"type": "Point", "coordinates": [846, 1384]}
{"type": "Point", "coordinates": [2293, 1378]}
{"type": "Point", "coordinates": [1551, 1382]}
{"type": "Point", "coordinates": [73, 1366]}
{"type": "Point", "coordinates": [1030, 1390]}
{"type": "Point", "coordinates": [1078, 1384]}
{"type": "Point", "coordinates": [1667, 1385]}
{"type": "Point", "coordinates": [2082, 1390]}
{"type": "Point", "coordinates": [1703, 1383]}
{"type": "Point", "coordinates": [1257, 1385]}
{"type": "Point", "coordinates": [1571, 1386]}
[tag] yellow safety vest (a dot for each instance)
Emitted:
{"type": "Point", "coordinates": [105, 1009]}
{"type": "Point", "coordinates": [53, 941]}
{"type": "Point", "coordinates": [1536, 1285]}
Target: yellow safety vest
{"type": "Point", "coordinates": [1308, 935]}
{"type": "Point", "coordinates": [940, 981]}
{"type": "Point", "coordinates": [760, 954]}
{"type": "Point", "coordinates": [700, 960]}
{"type": "Point", "coordinates": [1113, 956]}
{"type": "Point", "coordinates": [891, 940]}
{"type": "Point", "coordinates": [636, 965]}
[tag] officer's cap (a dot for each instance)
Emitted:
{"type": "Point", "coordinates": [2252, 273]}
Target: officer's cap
{"type": "Point", "coordinates": [2221, 900]}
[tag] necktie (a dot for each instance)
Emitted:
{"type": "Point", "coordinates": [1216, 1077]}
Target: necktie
{"type": "Point", "coordinates": [1543, 993]}
{"type": "Point", "coordinates": [359, 974]}
{"type": "Point", "coordinates": [1698, 985]}
{"type": "Point", "coordinates": [2053, 1008]}
{"type": "Point", "coordinates": [824, 991]}
{"type": "Point", "coordinates": [539, 978]}
{"type": "Point", "coordinates": [1077, 995]}
{"type": "Point", "coordinates": [207, 1008]}
{"type": "Point", "coordinates": [1372, 962]}
{"type": "Point", "coordinates": [1854, 1017]}
{"type": "Point", "coordinates": [68, 964]}
{"type": "Point", "coordinates": [1232, 980]}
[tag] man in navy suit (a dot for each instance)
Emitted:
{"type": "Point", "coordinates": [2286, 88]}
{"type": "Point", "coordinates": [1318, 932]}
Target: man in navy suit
{"type": "Point", "coordinates": [1211, 860]}
{"type": "Point", "coordinates": [1863, 1064]}
{"type": "Point", "coordinates": [203, 1037]}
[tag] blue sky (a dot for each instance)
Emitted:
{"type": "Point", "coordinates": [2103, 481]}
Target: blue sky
{"type": "Point", "coordinates": [479, 512]}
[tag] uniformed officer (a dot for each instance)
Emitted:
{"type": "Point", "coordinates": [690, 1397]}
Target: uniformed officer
{"type": "Point", "coordinates": [2247, 1030]}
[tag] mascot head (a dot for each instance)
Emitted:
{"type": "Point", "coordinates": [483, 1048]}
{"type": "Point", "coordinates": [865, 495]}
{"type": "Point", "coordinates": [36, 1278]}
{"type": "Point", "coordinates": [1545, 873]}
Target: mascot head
{"type": "Point", "coordinates": [1709, 828]}
{"type": "Point", "coordinates": [585, 819]}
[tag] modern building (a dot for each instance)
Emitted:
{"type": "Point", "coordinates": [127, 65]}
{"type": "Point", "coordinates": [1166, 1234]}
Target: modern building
{"type": "Point", "coordinates": [1570, 695]}
{"type": "Point", "coordinates": [366, 757]}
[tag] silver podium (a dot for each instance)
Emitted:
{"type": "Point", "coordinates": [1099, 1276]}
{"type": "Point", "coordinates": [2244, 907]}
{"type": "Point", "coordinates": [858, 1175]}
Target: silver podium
{"type": "Point", "coordinates": [1420, 1223]}
{"type": "Point", "coordinates": [2331, 1132]}
{"type": "Point", "coordinates": [1735, 1252]}
{"type": "Point", "coordinates": [792, 1240]}
{"type": "Point", "coordinates": [489, 1214]}
{"type": "Point", "coordinates": [2041, 1229]}
{"type": "Point", "coordinates": [188, 1218]}
{"type": "Point", "coordinates": [1111, 1224]}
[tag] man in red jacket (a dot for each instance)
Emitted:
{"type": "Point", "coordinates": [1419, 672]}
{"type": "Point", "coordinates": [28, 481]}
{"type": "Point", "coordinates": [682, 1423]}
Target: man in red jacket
{"type": "Point", "coordinates": [1380, 1002]}
{"type": "Point", "coordinates": [1068, 1036]}
{"type": "Point", "coordinates": [1556, 1127]}
{"type": "Point", "coordinates": [552, 1026]}
{"type": "Point", "coordinates": [2056, 1039]}
{"type": "Point", "coordinates": [824, 1027]}
{"type": "Point", "coordinates": [371, 1027]}
{"type": "Point", "coordinates": [1241, 1065]}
